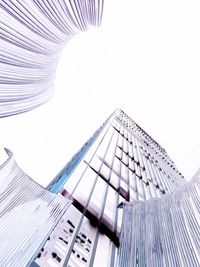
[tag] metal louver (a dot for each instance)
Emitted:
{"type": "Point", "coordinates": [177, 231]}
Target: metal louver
{"type": "Point", "coordinates": [32, 36]}
{"type": "Point", "coordinates": [163, 232]}
{"type": "Point", "coordinates": [28, 213]}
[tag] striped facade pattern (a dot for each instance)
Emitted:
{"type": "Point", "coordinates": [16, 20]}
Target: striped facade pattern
{"type": "Point", "coordinates": [83, 224]}
{"type": "Point", "coordinates": [33, 34]}
{"type": "Point", "coordinates": [157, 170]}
{"type": "Point", "coordinates": [28, 213]}
{"type": "Point", "coordinates": [163, 232]}
{"type": "Point", "coordinates": [122, 163]}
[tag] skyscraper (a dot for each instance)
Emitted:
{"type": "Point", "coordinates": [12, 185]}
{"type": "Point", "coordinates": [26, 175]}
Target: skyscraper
{"type": "Point", "coordinates": [120, 201]}
{"type": "Point", "coordinates": [119, 164]}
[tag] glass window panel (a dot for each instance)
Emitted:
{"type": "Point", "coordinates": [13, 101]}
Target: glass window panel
{"type": "Point", "coordinates": [130, 164]}
{"type": "Point", "coordinates": [95, 145]}
{"type": "Point", "coordinates": [140, 190]}
{"type": "Point", "coordinates": [124, 185]}
{"type": "Point", "coordinates": [111, 151]}
{"type": "Point", "coordinates": [137, 170]}
{"type": "Point", "coordinates": [114, 180]}
{"type": "Point", "coordinates": [133, 195]}
{"type": "Point", "coordinates": [125, 145]}
{"type": "Point", "coordinates": [129, 138]}
{"type": "Point", "coordinates": [84, 188]}
{"type": "Point", "coordinates": [125, 158]}
{"type": "Point", "coordinates": [132, 181]}
{"type": "Point", "coordinates": [103, 146]}
{"type": "Point", "coordinates": [102, 252]}
{"type": "Point", "coordinates": [120, 141]}
{"type": "Point", "coordinates": [97, 198]}
{"type": "Point", "coordinates": [135, 154]}
{"type": "Point", "coordinates": [130, 150]}
{"type": "Point", "coordinates": [96, 163]}
{"type": "Point", "coordinates": [124, 172]}
{"type": "Point", "coordinates": [117, 126]}
{"type": "Point", "coordinates": [75, 177]}
{"type": "Point", "coordinates": [110, 205]}
{"type": "Point", "coordinates": [105, 171]}
{"type": "Point", "coordinates": [116, 166]}
{"type": "Point", "coordinates": [118, 153]}
{"type": "Point", "coordinates": [153, 189]}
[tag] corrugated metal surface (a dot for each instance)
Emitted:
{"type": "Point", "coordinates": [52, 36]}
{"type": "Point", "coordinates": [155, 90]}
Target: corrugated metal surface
{"type": "Point", "coordinates": [163, 232]}
{"type": "Point", "coordinates": [28, 213]}
{"type": "Point", "coordinates": [33, 35]}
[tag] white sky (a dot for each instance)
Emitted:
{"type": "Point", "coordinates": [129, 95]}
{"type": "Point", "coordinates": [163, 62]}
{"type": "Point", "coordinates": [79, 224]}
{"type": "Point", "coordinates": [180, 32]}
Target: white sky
{"type": "Point", "coordinates": [144, 59]}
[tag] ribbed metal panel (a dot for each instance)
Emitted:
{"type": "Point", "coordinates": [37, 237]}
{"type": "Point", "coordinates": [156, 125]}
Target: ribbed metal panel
{"type": "Point", "coordinates": [28, 213]}
{"type": "Point", "coordinates": [33, 35]}
{"type": "Point", "coordinates": [163, 232]}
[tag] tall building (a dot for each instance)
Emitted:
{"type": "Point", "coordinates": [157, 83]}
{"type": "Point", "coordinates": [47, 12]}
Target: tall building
{"type": "Point", "coordinates": [120, 201]}
{"type": "Point", "coordinates": [119, 164]}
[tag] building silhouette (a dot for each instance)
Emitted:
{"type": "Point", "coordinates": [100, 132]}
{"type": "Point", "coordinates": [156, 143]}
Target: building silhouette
{"type": "Point", "coordinates": [120, 201]}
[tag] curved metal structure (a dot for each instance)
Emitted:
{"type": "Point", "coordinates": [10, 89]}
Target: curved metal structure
{"type": "Point", "coordinates": [119, 163]}
{"type": "Point", "coordinates": [119, 166]}
{"type": "Point", "coordinates": [28, 213]}
{"type": "Point", "coordinates": [33, 34]}
{"type": "Point", "coordinates": [163, 232]}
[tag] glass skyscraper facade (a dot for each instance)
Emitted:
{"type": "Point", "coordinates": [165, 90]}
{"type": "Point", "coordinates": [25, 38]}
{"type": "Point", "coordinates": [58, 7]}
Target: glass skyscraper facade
{"type": "Point", "coordinates": [120, 201]}
{"type": "Point", "coordinates": [120, 163]}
